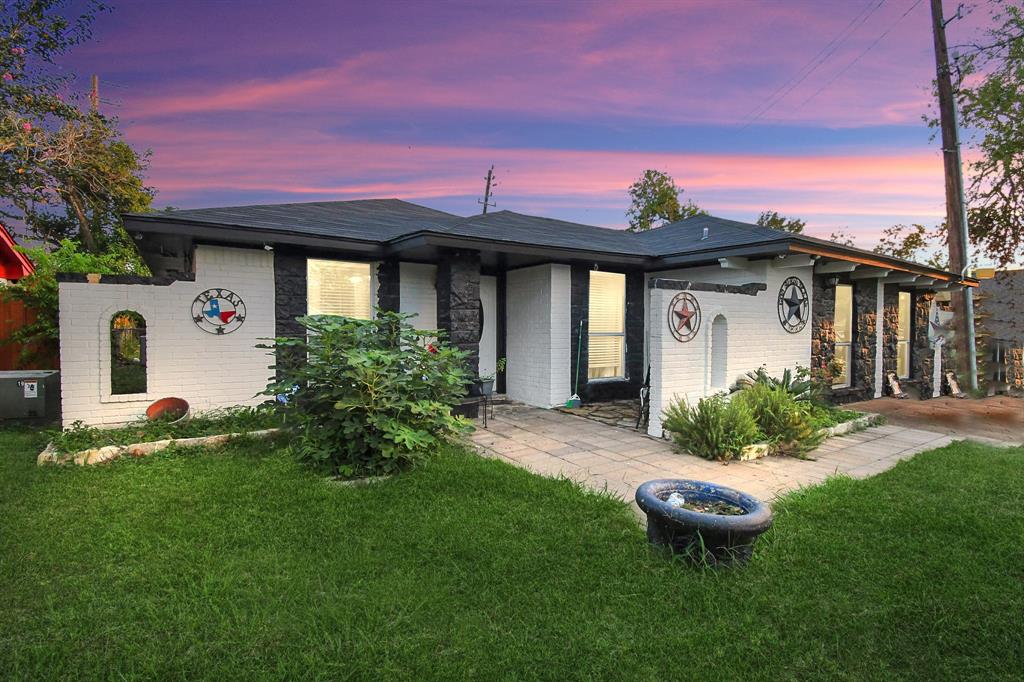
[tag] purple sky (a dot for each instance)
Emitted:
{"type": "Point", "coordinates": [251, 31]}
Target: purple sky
{"type": "Point", "coordinates": [253, 101]}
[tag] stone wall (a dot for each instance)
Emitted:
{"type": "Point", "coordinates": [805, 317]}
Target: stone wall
{"type": "Point", "coordinates": [458, 302]}
{"type": "Point", "coordinates": [823, 332]}
{"type": "Point", "coordinates": [890, 315]}
{"type": "Point", "coordinates": [389, 285]}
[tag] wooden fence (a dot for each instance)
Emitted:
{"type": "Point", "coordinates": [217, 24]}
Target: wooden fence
{"type": "Point", "coordinates": [13, 316]}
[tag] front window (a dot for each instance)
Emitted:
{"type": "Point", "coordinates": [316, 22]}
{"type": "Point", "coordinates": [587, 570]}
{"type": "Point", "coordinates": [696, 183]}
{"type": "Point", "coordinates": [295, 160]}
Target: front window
{"type": "Point", "coordinates": [607, 325]}
{"type": "Point", "coordinates": [335, 287]}
{"type": "Point", "coordinates": [903, 336]}
{"type": "Point", "coordinates": [843, 322]}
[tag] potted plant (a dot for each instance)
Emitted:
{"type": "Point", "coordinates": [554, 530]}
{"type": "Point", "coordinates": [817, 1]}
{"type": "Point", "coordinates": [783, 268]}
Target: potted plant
{"type": "Point", "coordinates": [486, 381]}
{"type": "Point", "coordinates": [707, 523]}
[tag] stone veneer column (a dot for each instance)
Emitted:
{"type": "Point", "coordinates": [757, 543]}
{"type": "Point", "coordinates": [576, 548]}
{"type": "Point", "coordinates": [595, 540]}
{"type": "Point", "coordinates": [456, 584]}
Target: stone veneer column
{"type": "Point", "coordinates": [865, 337]}
{"type": "Point", "coordinates": [458, 302]}
{"type": "Point", "coordinates": [290, 298]}
{"type": "Point", "coordinates": [389, 285]}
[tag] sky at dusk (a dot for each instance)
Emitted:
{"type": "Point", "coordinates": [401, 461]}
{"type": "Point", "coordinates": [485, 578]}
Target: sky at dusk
{"type": "Point", "coordinates": [254, 101]}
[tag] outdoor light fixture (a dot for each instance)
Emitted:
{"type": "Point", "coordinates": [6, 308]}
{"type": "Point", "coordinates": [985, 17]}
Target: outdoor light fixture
{"type": "Point", "coordinates": [832, 281]}
{"type": "Point", "coordinates": [596, 266]}
{"type": "Point", "coordinates": [268, 247]}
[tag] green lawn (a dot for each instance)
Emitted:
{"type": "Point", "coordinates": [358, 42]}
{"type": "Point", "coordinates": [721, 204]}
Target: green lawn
{"type": "Point", "coordinates": [239, 564]}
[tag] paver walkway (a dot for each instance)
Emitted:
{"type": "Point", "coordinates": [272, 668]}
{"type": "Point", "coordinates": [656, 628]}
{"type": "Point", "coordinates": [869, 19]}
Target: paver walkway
{"type": "Point", "coordinates": [616, 459]}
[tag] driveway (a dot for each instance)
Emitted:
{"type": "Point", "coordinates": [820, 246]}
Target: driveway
{"type": "Point", "coordinates": [617, 459]}
{"type": "Point", "coordinates": [999, 417]}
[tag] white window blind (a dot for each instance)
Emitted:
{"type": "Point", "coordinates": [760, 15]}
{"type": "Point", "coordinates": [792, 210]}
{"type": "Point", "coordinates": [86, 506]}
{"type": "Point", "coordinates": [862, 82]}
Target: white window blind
{"type": "Point", "coordinates": [903, 336]}
{"type": "Point", "coordinates": [335, 287]}
{"type": "Point", "coordinates": [607, 325]}
{"type": "Point", "coordinates": [843, 321]}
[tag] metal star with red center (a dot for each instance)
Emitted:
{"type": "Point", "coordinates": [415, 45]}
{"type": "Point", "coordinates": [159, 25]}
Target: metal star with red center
{"type": "Point", "coordinates": [685, 317]}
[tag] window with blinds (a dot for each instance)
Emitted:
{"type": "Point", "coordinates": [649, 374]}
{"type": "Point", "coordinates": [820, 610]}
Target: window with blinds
{"type": "Point", "coordinates": [843, 321]}
{"type": "Point", "coordinates": [335, 287]}
{"type": "Point", "coordinates": [607, 326]}
{"type": "Point", "coordinates": [903, 336]}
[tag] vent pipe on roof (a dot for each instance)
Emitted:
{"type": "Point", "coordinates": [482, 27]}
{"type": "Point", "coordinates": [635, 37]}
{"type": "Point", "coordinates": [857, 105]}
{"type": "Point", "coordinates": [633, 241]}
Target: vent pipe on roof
{"type": "Point", "coordinates": [704, 235]}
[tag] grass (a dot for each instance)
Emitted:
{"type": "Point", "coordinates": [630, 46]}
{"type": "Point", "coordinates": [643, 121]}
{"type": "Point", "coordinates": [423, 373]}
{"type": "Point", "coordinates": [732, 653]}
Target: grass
{"type": "Point", "coordinates": [235, 420]}
{"type": "Point", "coordinates": [823, 416]}
{"type": "Point", "coordinates": [240, 564]}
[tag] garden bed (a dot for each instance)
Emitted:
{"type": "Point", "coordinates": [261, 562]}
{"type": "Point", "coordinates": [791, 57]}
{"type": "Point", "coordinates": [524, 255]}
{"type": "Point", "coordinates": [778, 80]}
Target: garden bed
{"type": "Point", "coordinates": [82, 444]}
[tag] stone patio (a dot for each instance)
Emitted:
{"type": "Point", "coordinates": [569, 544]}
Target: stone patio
{"type": "Point", "coordinates": [605, 457]}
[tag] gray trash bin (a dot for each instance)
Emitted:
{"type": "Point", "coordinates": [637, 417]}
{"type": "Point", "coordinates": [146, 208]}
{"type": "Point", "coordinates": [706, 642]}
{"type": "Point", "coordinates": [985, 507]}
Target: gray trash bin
{"type": "Point", "coordinates": [30, 394]}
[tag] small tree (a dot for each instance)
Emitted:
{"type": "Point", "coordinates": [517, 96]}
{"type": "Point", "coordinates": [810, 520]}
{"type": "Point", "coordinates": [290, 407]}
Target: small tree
{"type": "Point", "coordinates": [841, 236]}
{"type": "Point", "coordinates": [655, 202]}
{"type": "Point", "coordinates": [368, 396]}
{"type": "Point", "coordinates": [775, 221]}
{"type": "Point", "coordinates": [914, 242]}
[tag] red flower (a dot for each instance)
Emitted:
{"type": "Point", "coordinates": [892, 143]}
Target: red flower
{"type": "Point", "coordinates": [27, 127]}
{"type": "Point", "coordinates": [8, 77]}
{"type": "Point", "coordinates": [430, 348]}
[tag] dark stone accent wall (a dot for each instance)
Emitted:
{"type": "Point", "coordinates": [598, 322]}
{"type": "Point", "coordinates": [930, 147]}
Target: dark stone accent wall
{"type": "Point", "coordinates": [864, 343]}
{"type": "Point", "coordinates": [823, 333]}
{"type": "Point", "coordinates": [501, 343]}
{"type": "Point", "coordinates": [159, 281]}
{"type": "Point", "coordinates": [458, 302]}
{"type": "Point", "coordinates": [922, 356]}
{"type": "Point", "coordinates": [607, 389]}
{"type": "Point", "coordinates": [289, 291]}
{"type": "Point", "coordinates": [890, 318]}
{"type": "Point", "coordinates": [865, 338]}
{"type": "Point", "coordinates": [751, 289]}
{"type": "Point", "coordinates": [579, 311]}
{"type": "Point", "coordinates": [289, 297]}
{"type": "Point", "coordinates": [389, 285]}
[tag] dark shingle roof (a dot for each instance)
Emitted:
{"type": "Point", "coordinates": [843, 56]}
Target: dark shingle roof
{"type": "Point", "coordinates": [383, 221]}
{"type": "Point", "coordinates": [507, 226]}
{"type": "Point", "coordinates": [365, 219]}
{"type": "Point", "coordinates": [686, 235]}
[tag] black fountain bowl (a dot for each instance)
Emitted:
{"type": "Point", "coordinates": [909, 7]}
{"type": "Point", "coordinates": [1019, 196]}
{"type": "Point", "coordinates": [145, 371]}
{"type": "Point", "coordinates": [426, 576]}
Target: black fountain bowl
{"type": "Point", "coordinates": [715, 539]}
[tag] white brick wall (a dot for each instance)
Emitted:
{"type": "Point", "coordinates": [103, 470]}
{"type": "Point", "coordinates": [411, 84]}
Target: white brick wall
{"type": "Point", "coordinates": [754, 337]}
{"type": "Point", "coordinates": [538, 335]}
{"type": "Point", "coordinates": [208, 371]}
{"type": "Point", "coordinates": [418, 293]}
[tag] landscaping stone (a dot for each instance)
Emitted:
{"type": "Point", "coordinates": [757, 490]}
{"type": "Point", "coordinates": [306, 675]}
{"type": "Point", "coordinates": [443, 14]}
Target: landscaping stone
{"type": "Point", "coordinates": [109, 453]}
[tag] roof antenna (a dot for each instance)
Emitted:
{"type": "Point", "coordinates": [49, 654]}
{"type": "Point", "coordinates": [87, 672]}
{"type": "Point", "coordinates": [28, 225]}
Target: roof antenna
{"type": "Point", "coordinates": [491, 182]}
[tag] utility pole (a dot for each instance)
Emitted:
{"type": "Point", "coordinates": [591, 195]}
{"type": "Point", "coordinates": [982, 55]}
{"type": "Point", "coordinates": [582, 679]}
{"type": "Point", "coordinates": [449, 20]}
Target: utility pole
{"type": "Point", "coordinates": [94, 93]}
{"type": "Point", "coordinates": [487, 190]}
{"type": "Point", "coordinates": [956, 210]}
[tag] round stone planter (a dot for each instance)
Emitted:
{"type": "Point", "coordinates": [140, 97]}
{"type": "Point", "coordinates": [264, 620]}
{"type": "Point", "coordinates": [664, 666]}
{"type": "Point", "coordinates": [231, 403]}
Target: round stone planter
{"type": "Point", "coordinates": [715, 539]}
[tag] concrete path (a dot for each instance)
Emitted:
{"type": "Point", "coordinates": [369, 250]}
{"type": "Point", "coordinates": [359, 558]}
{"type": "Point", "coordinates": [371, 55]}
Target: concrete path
{"type": "Point", "coordinates": [616, 459]}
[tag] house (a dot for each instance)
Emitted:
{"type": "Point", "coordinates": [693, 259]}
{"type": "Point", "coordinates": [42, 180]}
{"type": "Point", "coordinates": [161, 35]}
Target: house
{"type": "Point", "coordinates": [13, 264]}
{"type": "Point", "coordinates": [698, 302]}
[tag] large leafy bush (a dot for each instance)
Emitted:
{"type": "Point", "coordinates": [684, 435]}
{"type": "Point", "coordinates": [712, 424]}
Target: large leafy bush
{"type": "Point", "coordinates": [715, 428]}
{"type": "Point", "coordinates": [798, 384]}
{"type": "Point", "coordinates": [368, 397]}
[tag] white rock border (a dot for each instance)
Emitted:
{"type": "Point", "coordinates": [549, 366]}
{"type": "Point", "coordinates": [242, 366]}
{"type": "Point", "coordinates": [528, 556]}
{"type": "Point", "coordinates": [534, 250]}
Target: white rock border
{"type": "Point", "coordinates": [109, 453]}
{"type": "Point", "coordinates": [866, 420]}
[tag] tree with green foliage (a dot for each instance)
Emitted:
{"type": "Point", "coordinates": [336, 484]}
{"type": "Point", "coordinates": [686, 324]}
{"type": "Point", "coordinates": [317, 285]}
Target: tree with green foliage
{"type": "Point", "coordinates": [842, 237]}
{"type": "Point", "coordinates": [991, 99]}
{"type": "Point", "coordinates": [38, 291]}
{"type": "Point", "coordinates": [915, 242]}
{"type": "Point", "coordinates": [775, 221]}
{"type": "Point", "coordinates": [655, 202]}
{"type": "Point", "coordinates": [65, 172]}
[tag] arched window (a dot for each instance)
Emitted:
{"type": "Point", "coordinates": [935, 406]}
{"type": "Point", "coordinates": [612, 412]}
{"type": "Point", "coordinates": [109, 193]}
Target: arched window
{"type": "Point", "coordinates": [719, 353]}
{"type": "Point", "coordinates": [127, 353]}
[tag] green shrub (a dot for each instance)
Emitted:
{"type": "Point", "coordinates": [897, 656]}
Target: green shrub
{"type": "Point", "coordinates": [785, 421]}
{"type": "Point", "coordinates": [368, 397]}
{"type": "Point", "coordinates": [715, 428]}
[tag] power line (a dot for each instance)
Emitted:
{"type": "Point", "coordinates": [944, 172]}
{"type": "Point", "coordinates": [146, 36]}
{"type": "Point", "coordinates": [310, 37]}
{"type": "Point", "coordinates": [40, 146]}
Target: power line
{"type": "Point", "coordinates": [816, 61]}
{"type": "Point", "coordinates": [866, 50]}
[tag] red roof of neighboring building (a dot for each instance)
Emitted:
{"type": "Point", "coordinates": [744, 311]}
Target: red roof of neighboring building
{"type": "Point", "coordinates": [13, 264]}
